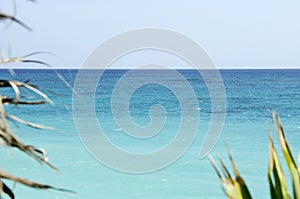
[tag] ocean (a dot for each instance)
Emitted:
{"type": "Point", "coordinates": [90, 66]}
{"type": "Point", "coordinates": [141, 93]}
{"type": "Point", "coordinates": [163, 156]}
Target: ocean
{"type": "Point", "coordinates": [251, 97]}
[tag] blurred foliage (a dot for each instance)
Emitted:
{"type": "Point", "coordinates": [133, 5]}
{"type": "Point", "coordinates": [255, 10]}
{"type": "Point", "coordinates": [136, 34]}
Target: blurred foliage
{"type": "Point", "coordinates": [17, 98]}
{"type": "Point", "coordinates": [236, 188]}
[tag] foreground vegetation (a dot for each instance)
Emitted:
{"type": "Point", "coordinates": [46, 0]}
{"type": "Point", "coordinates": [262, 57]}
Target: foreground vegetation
{"type": "Point", "coordinates": [236, 188]}
{"type": "Point", "coordinates": [16, 95]}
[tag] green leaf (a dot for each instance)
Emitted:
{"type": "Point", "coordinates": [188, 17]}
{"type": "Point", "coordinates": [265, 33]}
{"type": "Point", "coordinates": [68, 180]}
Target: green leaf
{"type": "Point", "coordinates": [235, 188]}
{"type": "Point", "coordinates": [294, 171]}
{"type": "Point", "coordinates": [296, 182]}
{"type": "Point", "coordinates": [278, 188]}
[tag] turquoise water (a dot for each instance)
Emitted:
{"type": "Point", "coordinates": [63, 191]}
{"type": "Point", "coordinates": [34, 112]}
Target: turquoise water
{"type": "Point", "coordinates": [251, 96]}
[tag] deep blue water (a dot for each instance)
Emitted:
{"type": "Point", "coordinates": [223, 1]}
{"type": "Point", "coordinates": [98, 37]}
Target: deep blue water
{"type": "Point", "coordinates": [251, 96]}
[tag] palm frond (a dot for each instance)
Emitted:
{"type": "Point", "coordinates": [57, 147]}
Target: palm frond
{"type": "Point", "coordinates": [4, 16]}
{"type": "Point", "coordinates": [26, 182]}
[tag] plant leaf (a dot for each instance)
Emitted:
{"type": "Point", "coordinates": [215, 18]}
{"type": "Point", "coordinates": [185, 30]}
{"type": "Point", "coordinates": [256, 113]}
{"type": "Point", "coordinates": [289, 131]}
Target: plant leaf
{"type": "Point", "coordinates": [280, 189]}
{"type": "Point", "coordinates": [294, 172]}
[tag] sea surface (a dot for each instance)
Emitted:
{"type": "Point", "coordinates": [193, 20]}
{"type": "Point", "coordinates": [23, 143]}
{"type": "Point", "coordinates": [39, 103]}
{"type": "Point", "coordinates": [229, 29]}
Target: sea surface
{"type": "Point", "coordinates": [251, 97]}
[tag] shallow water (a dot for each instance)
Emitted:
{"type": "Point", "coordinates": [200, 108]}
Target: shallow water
{"type": "Point", "coordinates": [251, 97]}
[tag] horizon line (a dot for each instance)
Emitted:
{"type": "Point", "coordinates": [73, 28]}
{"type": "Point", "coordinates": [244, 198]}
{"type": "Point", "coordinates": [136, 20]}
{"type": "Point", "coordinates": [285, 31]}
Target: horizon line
{"type": "Point", "coordinates": [187, 68]}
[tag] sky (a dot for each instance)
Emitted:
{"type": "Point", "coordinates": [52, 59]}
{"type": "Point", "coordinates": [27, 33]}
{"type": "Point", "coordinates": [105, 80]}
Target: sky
{"type": "Point", "coordinates": [235, 34]}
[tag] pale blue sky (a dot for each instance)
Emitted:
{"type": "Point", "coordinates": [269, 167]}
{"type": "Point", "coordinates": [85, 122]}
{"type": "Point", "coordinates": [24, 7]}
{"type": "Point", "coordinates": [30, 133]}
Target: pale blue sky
{"type": "Point", "coordinates": [236, 34]}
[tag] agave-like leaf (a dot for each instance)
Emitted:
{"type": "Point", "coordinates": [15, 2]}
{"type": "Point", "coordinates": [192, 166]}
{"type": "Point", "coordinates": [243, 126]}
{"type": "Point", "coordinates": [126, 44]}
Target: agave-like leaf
{"type": "Point", "coordinates": [294, 171]}
{"type": "Point", "coordinates": [277, 182]}
{"type": "Point", "coordinates": [226, 173]}
{"type": "Point", "coordinates": [284, 145]}
{"type": "Point", "coordinates": [213, 163]}
{"type": "Point", "coordinates": [299, 162]}
{"type": "Point", "coordinates": [235, 188]}
{"type": "Point", "coordinates": [241, 186]}
{"type": "Point", "coordinates": [227, 182]}
{"type": "Point", "coordinates": [296, 182]}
